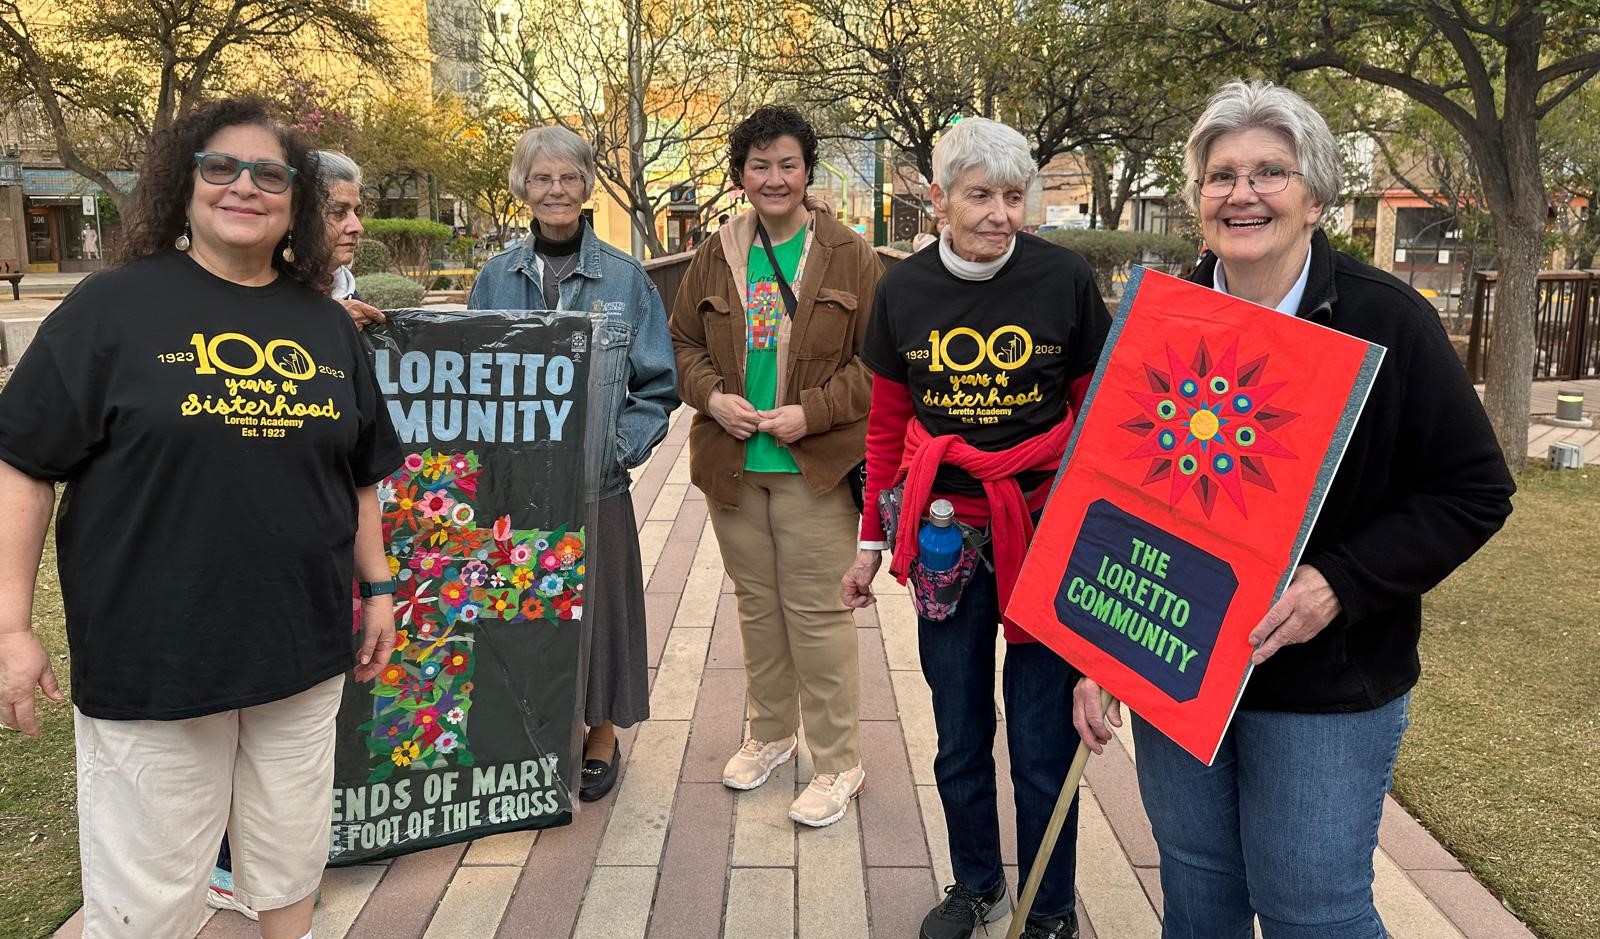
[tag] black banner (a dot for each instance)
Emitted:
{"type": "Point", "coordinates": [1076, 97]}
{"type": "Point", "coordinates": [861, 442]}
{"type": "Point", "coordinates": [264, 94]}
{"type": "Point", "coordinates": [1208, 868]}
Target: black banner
{"type": "Point", "coordinates": [470, 729]}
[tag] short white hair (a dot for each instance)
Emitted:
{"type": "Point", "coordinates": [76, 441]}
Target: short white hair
{"type": "Point", "coordinates": [979, 143]}
{"type": "Point", "coordinates": [557, 143]}
{"type": "Point", "coordinates": [334, 167]}
{"type": "Point", "coordinates": [1242, 105]}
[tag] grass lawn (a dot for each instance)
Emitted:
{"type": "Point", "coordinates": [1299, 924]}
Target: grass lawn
{"type": "Point", "coordinates": [1502, 762]}
{"type": "Point", "coordinates": [38, 794]}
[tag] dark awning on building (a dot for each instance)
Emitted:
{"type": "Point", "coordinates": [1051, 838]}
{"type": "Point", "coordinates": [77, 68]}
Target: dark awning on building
{"type": "Point", "coordinates": [62, 185]}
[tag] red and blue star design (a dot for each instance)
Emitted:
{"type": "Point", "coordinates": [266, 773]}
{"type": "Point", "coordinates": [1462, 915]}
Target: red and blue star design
{"type": "Point", "coordinates": [1208, 426]}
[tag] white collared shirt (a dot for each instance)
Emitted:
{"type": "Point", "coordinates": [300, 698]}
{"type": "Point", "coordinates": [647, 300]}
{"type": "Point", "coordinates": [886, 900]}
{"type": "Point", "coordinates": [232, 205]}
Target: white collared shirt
{"type": "Point", "coordinates": [1290, 303]}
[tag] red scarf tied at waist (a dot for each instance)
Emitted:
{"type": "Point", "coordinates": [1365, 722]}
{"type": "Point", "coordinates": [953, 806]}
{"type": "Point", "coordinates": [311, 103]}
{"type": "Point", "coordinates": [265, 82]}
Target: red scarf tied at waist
{"type": "Point", "coordinates": [1011, 523]}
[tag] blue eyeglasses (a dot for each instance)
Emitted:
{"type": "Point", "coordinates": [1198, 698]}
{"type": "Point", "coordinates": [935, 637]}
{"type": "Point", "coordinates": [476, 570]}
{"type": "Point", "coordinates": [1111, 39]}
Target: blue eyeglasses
{"type": "Point", "coordinates": [220, 169]}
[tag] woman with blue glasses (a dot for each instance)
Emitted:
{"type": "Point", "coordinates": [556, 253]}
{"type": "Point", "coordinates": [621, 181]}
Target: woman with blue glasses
{"type": "Point", "coordinates": [219, 433]}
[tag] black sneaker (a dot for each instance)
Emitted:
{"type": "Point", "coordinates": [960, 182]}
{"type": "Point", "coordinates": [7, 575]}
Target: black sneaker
{"type": "Point", "coordinates": [1052, 927]}
{"type": "Point", "coordinates": [961, 912]}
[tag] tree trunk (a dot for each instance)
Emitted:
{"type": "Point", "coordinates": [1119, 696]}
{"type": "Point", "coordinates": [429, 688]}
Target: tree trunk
{"type": "Point", "coordinates": [1100, 184]}
{"type": "Point", "coordinates": [1509, 371]}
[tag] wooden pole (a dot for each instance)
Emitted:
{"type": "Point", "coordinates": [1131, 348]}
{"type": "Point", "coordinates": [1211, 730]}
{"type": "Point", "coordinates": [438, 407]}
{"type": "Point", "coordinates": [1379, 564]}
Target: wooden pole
{"type": "Point", "coordinates": [1052, 831]}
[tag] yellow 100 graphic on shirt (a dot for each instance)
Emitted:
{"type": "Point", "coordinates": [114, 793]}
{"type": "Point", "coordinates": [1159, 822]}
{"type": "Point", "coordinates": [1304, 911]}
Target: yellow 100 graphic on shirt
{"type": "Point", "coordinates": [1006, 348]}
{"type": "Point", "coordinates": [238, 354]}
{"type": "Point", "coordinates": [259, 405]}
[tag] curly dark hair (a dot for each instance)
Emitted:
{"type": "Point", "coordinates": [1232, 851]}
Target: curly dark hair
{"type": "Point", "coordinates": [166, 183]}
{"type": "Point", "coordinates": [764, 125]}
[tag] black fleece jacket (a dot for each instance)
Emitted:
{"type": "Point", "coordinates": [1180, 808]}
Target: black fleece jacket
{"type": "Point", "coordinates": [1422, 486]}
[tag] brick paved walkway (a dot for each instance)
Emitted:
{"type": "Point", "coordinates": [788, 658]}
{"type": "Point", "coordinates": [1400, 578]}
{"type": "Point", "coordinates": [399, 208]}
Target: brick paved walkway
{"type": "Point", "coordinates": [672, 854]}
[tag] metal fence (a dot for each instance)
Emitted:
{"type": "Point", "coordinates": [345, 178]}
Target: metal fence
{"type": "Point", "coordinates": [1566, 325]}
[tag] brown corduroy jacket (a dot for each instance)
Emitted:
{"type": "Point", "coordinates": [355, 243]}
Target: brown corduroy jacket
{"type": "Point", "coordinates": [819, 364]}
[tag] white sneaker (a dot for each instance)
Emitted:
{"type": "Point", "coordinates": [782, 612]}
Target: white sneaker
{"type": "Point", "coordinates": [219, 894]}
{"type": "Point", "coordinates": [756, 760]}
{"type": "Point", "coordinates": [828, 796]}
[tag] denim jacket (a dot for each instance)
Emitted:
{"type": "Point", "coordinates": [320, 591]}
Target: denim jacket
{"type": "Point", "coordinates": [632, 378]}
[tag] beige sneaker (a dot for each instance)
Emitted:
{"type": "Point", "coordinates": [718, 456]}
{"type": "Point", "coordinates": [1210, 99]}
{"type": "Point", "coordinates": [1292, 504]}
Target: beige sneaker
{"type": "Point", "coordinates": [826, 799]}
{"type": "Point", "coordinates": [756, 760]}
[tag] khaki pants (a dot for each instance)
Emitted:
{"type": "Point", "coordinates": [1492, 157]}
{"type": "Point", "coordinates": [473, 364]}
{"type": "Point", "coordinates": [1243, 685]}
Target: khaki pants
{"type": "Point", "coordinates": [786, 551]}
{"type": "Point", "coordinates": [154, 797]}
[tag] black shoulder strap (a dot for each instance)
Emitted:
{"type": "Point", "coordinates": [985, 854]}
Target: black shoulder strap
{"type": "Point", "coordinates": [789, 301]}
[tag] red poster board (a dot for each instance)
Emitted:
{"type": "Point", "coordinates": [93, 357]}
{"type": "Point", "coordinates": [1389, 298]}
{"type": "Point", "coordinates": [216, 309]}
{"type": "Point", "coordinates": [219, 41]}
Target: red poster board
{"type": "Point", "coordinates": [1191, 483]}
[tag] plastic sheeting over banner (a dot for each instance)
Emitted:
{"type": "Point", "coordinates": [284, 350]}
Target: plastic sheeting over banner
{"type": "Point", "coordinates": [469, 730]}
{"type": "Point", "coordinates": [1212, 431]}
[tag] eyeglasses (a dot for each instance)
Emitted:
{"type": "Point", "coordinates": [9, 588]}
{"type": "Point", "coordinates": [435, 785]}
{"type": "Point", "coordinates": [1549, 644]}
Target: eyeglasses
{"type": "Point", "coordinates": [544, 181]}
{"type": "Point", "coordinates": [1264, 180]}
{"type": "Point", "coordinates": [220, 169]}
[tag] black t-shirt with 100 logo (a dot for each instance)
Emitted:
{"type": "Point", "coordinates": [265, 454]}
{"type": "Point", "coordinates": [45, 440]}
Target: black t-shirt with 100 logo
{"type": "Point", "coordinates": [211, 437]}
{"type": "Point", "coordinates": [990, 361]}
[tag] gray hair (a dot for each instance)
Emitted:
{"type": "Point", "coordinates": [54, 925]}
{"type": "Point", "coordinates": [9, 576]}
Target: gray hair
{"type": "Point", "coordinates": [557, 143]}
{"type": "Point", "coordinates": [1240, 105]}
{"type": "Point", "coordinates": [334, 167]}
{"type": "Point", "coordinates": [979, 143]}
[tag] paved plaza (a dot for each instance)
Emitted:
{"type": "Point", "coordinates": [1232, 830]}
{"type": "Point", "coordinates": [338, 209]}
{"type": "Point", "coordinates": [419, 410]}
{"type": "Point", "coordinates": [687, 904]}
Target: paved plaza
{"type": "Point", "coordinates": [672, 854]}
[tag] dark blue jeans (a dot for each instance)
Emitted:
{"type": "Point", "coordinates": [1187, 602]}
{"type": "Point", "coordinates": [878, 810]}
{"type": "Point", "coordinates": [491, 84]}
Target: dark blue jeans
{"type": "Point", "coordinates": [958, 663]}
{"type": "Point", "coordinates": [1281, 826]}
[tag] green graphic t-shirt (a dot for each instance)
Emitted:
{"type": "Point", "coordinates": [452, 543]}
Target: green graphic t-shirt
{"type": "Point", "coordinates": [763, 313]}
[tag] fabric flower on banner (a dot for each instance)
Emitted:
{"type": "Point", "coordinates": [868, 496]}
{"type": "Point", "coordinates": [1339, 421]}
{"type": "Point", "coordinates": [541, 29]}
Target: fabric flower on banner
{"type": "Point", "coordinates": [435, 504]}
{"type": "Point", "coordinates": [569, 550]}
{"type": "Point", "coordinates": [428, 562]}
{"type": "Point", "coordinates": [435, 465]}
{"type": "Point", "coordinates": [457, 661]}
{"type": "Point", "coordinates": [475, 573]}
{"type": "Point", "coordinates": [405, 753]}
{"type": "Point", "coordinates": [404, 512]}
{"type": "Point", "coordinates": [453, 592]}
{"type": "Point", "coordinates": [446, 742]}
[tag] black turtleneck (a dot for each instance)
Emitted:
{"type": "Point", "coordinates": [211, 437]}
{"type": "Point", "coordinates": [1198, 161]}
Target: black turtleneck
{"type": "Point", "coordinates": [557, 248]}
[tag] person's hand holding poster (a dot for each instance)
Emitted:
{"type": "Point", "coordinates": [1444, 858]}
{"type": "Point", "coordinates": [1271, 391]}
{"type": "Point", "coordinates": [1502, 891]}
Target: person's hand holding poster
{"type": "Point", "coordinates": [1206, 446]}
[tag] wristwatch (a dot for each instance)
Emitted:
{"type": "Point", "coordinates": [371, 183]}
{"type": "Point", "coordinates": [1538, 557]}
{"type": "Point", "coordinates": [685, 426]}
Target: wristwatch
{"type": "Point", "coordinates": [375, 588]}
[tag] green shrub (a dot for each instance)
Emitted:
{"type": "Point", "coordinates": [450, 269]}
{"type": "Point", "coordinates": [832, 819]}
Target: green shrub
{"type": "Point", "coordinates": [372, 257]}
{"type": "Point", "coordinates": [411, 240]}
{"type": "Point", "coordinates": [1358, 248]}
{"type": "Point", "coordinates": [389, 291]}
{"type": "Point", "coordinates": [460, 249]}
{"type": "Point", "coordinates": [1111, 253]}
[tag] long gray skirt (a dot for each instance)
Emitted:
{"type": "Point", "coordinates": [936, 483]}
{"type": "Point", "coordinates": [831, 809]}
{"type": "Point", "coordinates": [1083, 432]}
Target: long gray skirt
{"type": "Point", "coordinates": [619, 685]}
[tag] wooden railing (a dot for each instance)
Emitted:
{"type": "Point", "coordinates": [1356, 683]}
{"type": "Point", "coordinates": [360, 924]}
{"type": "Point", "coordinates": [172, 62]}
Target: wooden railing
{"type": "Point", "coordinates": [666, 272]}
{"type": "Point", "coordinates": [1566, 326]}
